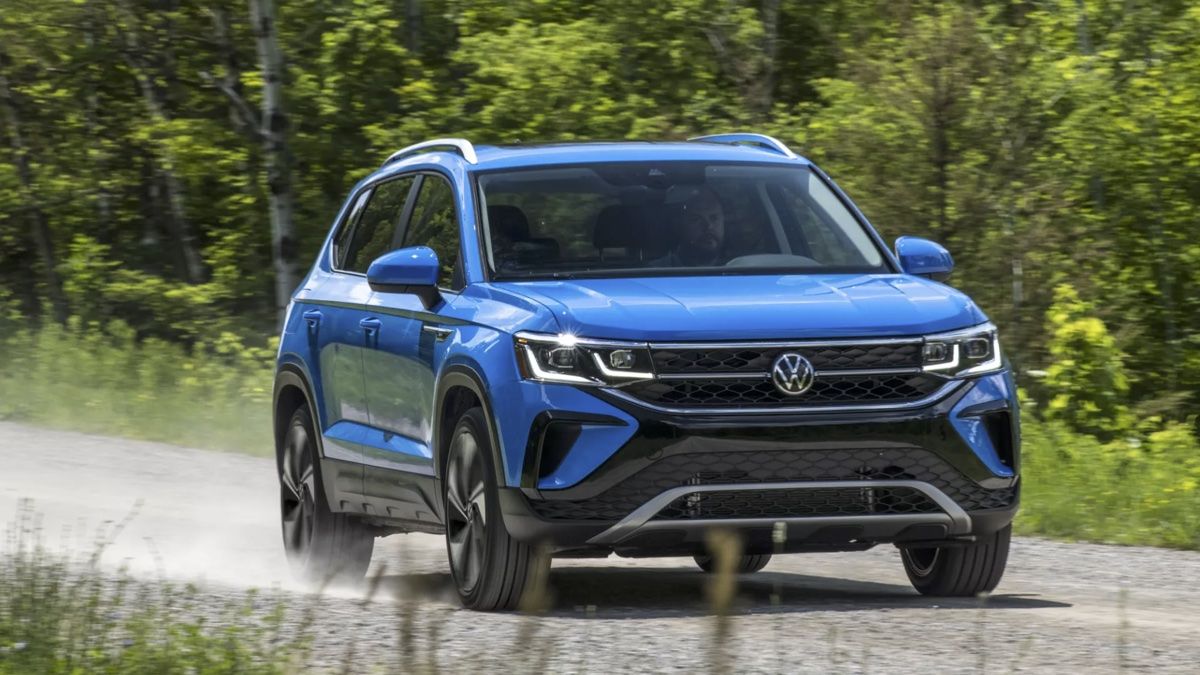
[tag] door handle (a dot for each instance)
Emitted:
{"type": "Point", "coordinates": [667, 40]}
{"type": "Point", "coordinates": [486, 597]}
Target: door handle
{"type": "Point", "coordinates": [371, 324]}
{"type": "Point", "coordinates": [312, 317]}
{"type": "Point", "coordinates": [438, 332]}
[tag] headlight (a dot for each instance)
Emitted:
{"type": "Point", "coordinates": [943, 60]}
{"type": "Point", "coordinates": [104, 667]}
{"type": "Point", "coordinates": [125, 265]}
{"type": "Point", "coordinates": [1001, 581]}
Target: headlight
{"type": "Point", "coordinates": [964, 352]}
{"type": "Point", "coordinates": [565, 358]}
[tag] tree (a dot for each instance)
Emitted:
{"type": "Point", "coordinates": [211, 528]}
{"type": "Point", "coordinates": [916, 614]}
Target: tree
{"type": "Point", "coordinates": [274, 130]}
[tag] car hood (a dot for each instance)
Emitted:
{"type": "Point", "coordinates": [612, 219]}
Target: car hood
{"type": "Point", "coordinates": [752, 307]}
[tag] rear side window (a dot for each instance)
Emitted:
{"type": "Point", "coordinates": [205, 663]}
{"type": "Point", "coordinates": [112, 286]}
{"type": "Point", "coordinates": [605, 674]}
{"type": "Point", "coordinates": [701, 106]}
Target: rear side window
{"type": "Point", "coordinates": [375, 230]}
{"type": "Point", "coordinates": [434, 223]}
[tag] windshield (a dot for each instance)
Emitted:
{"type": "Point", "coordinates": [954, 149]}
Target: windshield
{"type": "Point", "coordinates": [648, 219]}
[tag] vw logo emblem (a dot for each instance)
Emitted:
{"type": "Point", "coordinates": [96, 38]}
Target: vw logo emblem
{"type": "Point", "coordinates": [792, 374]}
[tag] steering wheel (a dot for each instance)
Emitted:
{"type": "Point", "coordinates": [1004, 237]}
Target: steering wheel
{"type": "Point", "coordinates": [772, 260]}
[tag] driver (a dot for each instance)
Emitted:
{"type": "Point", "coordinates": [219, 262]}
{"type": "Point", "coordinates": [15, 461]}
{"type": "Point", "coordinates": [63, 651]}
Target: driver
{"type": "Point", "coordinates": [700, 227]}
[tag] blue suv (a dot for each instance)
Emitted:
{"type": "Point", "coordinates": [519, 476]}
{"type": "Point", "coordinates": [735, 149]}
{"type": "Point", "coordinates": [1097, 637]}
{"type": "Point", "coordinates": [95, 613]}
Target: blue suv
{"type": "Point", "coordinates": [597, 348]}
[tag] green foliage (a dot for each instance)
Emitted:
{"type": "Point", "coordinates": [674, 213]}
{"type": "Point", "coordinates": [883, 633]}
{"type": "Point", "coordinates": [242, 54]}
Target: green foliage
{"type": "Point", "coordinates": [1132, 490]}
{"type": "Point", "coordinates": [1042, 142]}
{"type": "Point", "coordinates": [1086, 378]}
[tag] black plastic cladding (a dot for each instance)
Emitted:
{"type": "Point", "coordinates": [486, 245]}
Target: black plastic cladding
{"type": "Point", "coordinates": [716, 468]}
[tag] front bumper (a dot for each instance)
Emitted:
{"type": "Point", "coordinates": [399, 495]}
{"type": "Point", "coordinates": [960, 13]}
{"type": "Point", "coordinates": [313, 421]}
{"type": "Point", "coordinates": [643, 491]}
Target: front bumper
{"type": "Point", "coordinates": [839, 481]}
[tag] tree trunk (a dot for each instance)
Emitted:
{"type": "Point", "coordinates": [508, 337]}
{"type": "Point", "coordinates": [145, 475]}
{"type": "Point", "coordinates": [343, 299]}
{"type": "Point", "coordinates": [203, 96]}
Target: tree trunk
{"type": "Point", "coordinates": [412, 25]}
{"type": "Point", "coordinates": [231, 80]}
{"type": "Point", "coordinates": [770, 23]}
{"type": "Point", "coordinates": [39, 224]}
{"type": "Point", "coordinates": [187, 253]}
{"type": "Point", "coordinates": [274, 127]}
{"type": "Point", "coordinates": [101, 156]}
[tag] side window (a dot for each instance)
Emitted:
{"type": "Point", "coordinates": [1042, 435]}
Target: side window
{"type": "Point", "coordinates": [341, 243]}
{"type": "Point", "coordinates": [435, 224]}
{"type": "Point", "coordinates": [376, 227]}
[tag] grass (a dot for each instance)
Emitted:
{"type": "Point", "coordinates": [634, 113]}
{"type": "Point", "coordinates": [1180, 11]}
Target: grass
{"type": "Point", "coordinates": [99, 379]}
{"type": "Point", "coordinates": [63, 614]}
{"type": "Point", "coordinates": [1142, 488]}
{"type": "Point", "coordinates": [60, 613]}
{"type": "Point", "coordinates": [1138, 490]}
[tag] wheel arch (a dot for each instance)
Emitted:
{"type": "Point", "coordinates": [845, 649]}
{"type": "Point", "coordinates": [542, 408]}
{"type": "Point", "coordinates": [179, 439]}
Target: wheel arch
{"type": "Point", "coordinates": [459, 388]}
{"type": "Point", "coordinates": [292, 389]}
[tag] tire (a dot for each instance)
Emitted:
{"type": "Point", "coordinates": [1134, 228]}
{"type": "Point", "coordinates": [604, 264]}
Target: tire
{"type": "Point", "coordinates": [322, 547]}
{"type": "Point", "coordinates": [747, 565]}
{"type": "Point", "coordinates": [959, 571]}
{"type": "Point", "coordinates": [490, 569]}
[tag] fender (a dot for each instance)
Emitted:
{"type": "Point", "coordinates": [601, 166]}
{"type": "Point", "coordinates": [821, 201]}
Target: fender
{"type": "Point", "coordinates": [468, 376]}
{"type": "Point", "coordinates": [293, 374]}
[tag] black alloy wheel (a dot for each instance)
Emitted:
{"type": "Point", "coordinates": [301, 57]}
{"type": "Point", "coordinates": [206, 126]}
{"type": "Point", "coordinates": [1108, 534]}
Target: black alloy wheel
{"type": "Point", "coordinates": [959, 571]}
{"type": "Point", "coordinates": [747, 564]}
{"type": "Point", "coordinates": [466, 511]}
{"type": "Point", "coordinates": [322, 547]}
{"type": "Point", "coordinates": [490, 569]}
{"type": "Point", "coordinates": [297, 485]}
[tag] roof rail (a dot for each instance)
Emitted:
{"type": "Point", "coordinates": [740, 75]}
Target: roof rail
{"type": "Point", "coordinates": [460, 145]}
{"type": "Point", "coordinates": [760, 140]}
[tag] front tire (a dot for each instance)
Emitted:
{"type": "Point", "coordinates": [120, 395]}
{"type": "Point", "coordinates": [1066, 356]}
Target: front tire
{"type": "Point", "coordinates": [747, 564]}
{"type": "Point", "coordinates": [322, 547]}
{"type": "Point", "coordinates": [489, 567]}
{"type": "Point", "coordinates": [959, 571]}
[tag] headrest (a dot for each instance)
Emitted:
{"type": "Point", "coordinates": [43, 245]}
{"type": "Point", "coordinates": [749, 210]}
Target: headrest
{"type": "Point", "coordinates": [509, 221]}
{"type": "Point", "coordinates": [616, 226]}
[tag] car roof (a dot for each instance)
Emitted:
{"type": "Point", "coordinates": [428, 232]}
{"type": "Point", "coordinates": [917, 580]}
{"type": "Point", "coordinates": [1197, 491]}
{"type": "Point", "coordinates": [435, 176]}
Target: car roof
{"type": "Point", "coordinates": [547, 154]}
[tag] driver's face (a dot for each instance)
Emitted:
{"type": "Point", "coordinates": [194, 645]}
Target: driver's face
{"type": "Point", "coordinates": [704, 222]}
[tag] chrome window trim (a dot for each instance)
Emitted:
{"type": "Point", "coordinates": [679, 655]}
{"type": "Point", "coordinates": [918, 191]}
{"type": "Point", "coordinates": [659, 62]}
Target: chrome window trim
{"type": "Point", "coordinates": [942, 392]}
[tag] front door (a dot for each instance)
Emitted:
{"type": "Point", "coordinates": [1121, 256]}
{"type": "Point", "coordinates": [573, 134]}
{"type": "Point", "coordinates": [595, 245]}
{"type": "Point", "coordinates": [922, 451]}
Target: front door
{"type": "Point", "coordinates": [347, 331]}
{"type": "Point", "coordinates": [399, 367]}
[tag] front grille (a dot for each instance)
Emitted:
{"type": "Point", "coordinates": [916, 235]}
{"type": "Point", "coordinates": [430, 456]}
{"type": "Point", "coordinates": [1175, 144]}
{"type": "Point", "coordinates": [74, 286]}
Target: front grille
{"type": "Point", "coordinates": [798, 503]}
{"type": "Point", "coordinates": [771, 466]}
{"type": "Point", "coordinates": [712, 376]}
{"type": "Point", "coordinates": [744, 359]}
{"type": "Point", "coordinates": [831, 390]}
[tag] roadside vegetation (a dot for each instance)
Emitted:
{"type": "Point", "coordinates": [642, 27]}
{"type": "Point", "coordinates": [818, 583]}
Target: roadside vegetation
{"type": "Point", "coordinates": [60, 613]}
{"type": "Point", "coordinates": [100, 378]}
{"type": "Point", "coordinates": [65, 614]}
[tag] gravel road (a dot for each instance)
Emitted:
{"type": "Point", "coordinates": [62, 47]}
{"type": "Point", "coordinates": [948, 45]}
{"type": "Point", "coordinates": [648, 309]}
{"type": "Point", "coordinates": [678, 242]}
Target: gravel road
{"type": "Point", "coordinates": [211, 517]}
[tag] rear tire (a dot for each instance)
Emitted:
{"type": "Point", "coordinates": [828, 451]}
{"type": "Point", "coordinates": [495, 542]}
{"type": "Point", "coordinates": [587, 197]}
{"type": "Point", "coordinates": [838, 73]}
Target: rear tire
{"type": "Point", "coordinates": [490, 569]}
{"type": "Point", "coordinates": [748, 564]}
{"type": "Point", "coordinates": [322, 547]}
{"type": "Point", "coordinates": [959, 571]}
